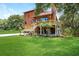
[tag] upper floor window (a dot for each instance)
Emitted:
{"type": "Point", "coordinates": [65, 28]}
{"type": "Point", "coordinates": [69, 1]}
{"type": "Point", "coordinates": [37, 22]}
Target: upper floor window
{"type": "Point", "coordinates": [33, 21]}
{"type": "Point", "coordinates": [43, 19]}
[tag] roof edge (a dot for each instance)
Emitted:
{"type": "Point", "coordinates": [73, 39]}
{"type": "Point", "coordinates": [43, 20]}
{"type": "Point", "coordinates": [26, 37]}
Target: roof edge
{"type": "Point", "coordinates": [29, 11]}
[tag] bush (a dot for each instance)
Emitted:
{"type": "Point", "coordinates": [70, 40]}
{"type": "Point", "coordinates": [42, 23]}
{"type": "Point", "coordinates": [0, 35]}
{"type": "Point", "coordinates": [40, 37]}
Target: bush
{"type": "Point", "coordinates": [76, 32]}
{"type": "Point", "coordinates": [67, 32]}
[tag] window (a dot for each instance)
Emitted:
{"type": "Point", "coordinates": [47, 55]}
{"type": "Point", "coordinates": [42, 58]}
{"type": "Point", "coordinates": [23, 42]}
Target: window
{"type": "Point", "coordinates": [33, 21]}
{"type": "Point", "coordinates": [43, 19]}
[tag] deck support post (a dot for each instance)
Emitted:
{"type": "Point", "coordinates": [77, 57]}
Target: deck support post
{"type": "Point", "coordinates": [40, 30]}
{"type": "Point", "coordinates": [48, 31]}
{"type": "Point", "coordinates": [56, 30]}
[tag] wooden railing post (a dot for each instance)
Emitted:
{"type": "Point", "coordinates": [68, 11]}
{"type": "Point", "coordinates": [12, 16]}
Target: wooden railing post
{"type": "Point", "coordinates": [40, 30]}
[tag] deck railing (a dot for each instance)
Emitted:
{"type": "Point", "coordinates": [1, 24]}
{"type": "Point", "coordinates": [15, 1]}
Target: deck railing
{"type": "Point", "coordinates": [49, 22]}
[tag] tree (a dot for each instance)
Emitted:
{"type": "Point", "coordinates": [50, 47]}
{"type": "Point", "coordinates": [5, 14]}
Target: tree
{"type": "Point", "coordinates": [70, 16]}
{"type": "Point", "coordinates": [15, 22]}
{"type": "Point", "coordinates": [3, 24]}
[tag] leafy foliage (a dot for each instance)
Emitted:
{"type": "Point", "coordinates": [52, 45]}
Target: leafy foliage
{"type": "Point", "coordinates": [13, 22]}
{"type": "Point", "coordinates": [70, 16]}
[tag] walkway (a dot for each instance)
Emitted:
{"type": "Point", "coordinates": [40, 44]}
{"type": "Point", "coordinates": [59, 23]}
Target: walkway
{"type": "Point", "coordinates": [4, 35]}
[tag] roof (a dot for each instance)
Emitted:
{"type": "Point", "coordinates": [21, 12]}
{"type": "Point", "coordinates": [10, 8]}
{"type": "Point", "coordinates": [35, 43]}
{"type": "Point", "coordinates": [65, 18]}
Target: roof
{"type": "Point", "coordinates": [43, 14]}
{"type": "Point", "coordinates": [29, 11]}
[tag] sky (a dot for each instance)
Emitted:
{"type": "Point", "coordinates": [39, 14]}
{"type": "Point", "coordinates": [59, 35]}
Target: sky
{"type": "Point", "coordinates": [7, 9]}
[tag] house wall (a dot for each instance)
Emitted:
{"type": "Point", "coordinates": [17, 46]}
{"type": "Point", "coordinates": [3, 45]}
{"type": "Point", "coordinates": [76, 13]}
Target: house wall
{"type": "Point", "coordinates": [28, 17]}
{"type": "Point", "coordinates": [51, 17]}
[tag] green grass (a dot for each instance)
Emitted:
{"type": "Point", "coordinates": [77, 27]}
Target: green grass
{"type": "Point", "coordinates": [39, 46]}
{"type": "Point", "coordinates": [8, 31]}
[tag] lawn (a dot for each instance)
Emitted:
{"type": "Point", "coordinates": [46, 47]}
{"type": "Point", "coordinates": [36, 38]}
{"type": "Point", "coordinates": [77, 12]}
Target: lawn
{"type": "Point", "coordinates": [8, 31]}
{"type": "Point", "coordinates": [39, 46]}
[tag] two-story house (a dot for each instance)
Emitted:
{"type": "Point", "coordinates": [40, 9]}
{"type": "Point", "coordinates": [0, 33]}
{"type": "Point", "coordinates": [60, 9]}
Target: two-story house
{"type": "Point", "coordinates": [45, 23]}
